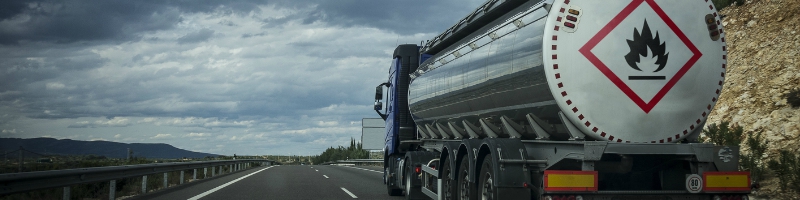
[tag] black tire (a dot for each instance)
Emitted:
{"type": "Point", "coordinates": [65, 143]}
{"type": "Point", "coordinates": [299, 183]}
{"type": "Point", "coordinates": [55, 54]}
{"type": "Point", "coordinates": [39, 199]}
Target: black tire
{"type": "Point", "coordinates": [393, 192]}
{"type": "Point", "coordinates": [464, 191]}
{"type": "Point", "coordinates": [389, 188]}
{"type": "Point", "coordinates": [447, 179]}
{"type": "Point", "coordinates": [486, 185]}
{"type": "Point", "coordinates": [408, 183]}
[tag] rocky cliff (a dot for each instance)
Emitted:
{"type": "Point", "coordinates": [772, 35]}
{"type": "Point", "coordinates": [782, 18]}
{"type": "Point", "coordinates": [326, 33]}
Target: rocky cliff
{"type": "Point", "coordinates": [763, 43]}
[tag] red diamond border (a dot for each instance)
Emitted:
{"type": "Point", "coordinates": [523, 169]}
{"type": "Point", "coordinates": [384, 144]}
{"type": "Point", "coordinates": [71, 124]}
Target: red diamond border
{"type": "Point", "coordinates": [645, 106]}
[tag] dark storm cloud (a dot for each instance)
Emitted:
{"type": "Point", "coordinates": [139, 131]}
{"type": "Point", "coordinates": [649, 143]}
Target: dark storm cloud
{"type": "Point", "coordinates": [88, 20]}
{"type": "Point", "coordinates": [404, 17]}
{"type": "Point", "coordinates": [84, 20]}
{"type": "Point", "coordinates": [9, 8]}
{"type": "Point", "coordinates": [122, 20]}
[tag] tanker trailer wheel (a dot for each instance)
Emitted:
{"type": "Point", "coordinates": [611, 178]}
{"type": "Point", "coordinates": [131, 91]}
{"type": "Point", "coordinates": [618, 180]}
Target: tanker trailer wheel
{"type": "Point", "coordinates": [464, 190]}
{"type": "Point", "coordinates": [410, 191]}
{"type": "Point", "coordinates": [486, 186]}
{"type": "Point", "coordinates": [447, 179]}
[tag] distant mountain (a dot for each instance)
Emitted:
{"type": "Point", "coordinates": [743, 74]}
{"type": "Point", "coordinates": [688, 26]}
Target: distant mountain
{"type": "Point", "coordinates": [100, 148]}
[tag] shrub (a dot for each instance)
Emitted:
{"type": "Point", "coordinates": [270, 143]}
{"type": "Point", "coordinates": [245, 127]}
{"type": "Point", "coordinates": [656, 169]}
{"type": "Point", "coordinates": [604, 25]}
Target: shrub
{"type": "Point", "coordinates": [753, 161]}
{"type": "Point", "coordinates": [723, 134]}
{"type": "Point", "coordinates": [787, 168]}
{"type": "Point", "coordinates": [793, 98]}
{"type": "Point", "coordinates": [720, 4]}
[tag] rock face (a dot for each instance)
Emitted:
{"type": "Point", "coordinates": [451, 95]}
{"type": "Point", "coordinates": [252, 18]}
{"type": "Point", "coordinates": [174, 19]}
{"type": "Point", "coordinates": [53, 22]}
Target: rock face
{"type": "Point", "coordinates": [763, 49]}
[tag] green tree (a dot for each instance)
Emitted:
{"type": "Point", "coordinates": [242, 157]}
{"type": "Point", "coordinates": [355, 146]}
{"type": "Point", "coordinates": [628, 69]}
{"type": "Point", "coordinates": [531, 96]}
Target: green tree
{"type": "Point", "coordinates": [354, 151]}
{"type": "Point", "coordinates": [787, 168]}
{"type": "Point", "coordinates": [724, 135]}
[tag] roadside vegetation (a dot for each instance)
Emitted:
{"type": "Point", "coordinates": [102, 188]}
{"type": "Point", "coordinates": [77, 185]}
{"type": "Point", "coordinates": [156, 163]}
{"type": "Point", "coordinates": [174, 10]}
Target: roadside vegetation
{"type": "Point", "coordinates": [720, 4]}
{"type": "Point", "coordinates": [354, 151]}
{"type": "Point", "coordinates": [785, 166]}
{"type": "Point", "coordinates": [793, 98]}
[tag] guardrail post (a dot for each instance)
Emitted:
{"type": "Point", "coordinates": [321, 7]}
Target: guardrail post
{"type": "Point", "coordinates": [230, 168]}
{"type": "Point", "coordinates": [66, 193]}
{"type": "Point", "coordinates": [220, 169]}
{"type": "Point", "coordinates": [21, 160]}
{"type": "Point", "coordinates": [112, 187]}
{"type": "Point", "coordinates": [194, 175]}
{"type": "Point", "coordinates": [205, 172]}
{"type": "Point", "coordinates": [144, 184]}
{"type": "Point", "coordinates": [181, 182]}
{"type": "Point", "coordinates": [165, 180]}
{"type": "Point", "coordinates": [213, 171]}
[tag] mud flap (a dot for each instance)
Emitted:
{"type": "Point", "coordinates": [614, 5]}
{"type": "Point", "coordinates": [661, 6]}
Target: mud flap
{"type": "Point", "coordinates": [509, 176]}
{"type": "Point", "coordinates": [413, 159]}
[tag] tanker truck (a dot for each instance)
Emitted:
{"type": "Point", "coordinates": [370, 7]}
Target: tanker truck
{"type": "Point", "coordinates": [561, 99]}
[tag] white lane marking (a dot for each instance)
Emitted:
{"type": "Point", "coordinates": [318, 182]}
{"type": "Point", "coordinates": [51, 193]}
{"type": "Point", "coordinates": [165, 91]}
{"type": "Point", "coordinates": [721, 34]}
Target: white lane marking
{"type": "Point", "coordinates": [364, 169]}
{"type": "Point", "coordinates": [325, 176]}
{"type": "Point", "coordinates": [316, 170]}
{"type": "Point", "coordinates": [225, 185]}
{"type": "Point", "coordinates": [350, 193]}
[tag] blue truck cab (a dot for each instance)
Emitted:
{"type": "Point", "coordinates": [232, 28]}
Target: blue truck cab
{"type": "Point", "coordinates": [399, 123]}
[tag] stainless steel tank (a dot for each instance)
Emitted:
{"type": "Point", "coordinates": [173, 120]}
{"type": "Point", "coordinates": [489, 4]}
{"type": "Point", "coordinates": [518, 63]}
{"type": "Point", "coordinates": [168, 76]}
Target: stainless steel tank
{"type": "Point", "coordinates": [641, 71]}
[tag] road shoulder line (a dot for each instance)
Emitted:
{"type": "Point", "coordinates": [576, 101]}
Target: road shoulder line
{"type": "Point", "coordinates": [201, 195]}
{"type": "Point", "coordinates": [350, 193]}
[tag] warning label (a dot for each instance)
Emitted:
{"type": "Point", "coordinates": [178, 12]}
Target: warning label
{"type": "Point", "coordinates": [649, 48]}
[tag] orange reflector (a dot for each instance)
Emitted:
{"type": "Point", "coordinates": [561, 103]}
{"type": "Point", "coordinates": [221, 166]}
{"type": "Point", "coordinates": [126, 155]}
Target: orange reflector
{"type": "Point", "coordinates": [726, 181]}
{"type": "Point", "coordinates": [561, 180]}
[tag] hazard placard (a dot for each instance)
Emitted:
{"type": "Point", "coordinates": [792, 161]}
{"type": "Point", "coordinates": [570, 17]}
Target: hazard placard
{"type": "Point", "coordinates": [658, 51]}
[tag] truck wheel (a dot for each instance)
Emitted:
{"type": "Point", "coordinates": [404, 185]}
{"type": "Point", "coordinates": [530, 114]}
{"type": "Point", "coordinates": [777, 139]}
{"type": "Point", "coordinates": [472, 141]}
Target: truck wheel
{"type": "Point", "coordinates": [409, 182]}
{"type": "Point", "coordinates": [447, 179]}
{"type": "Point", "coordinates": [391, 190]}
{"type": "Point", "coordinates": [486, 187]}
{"type": "Point", "coordinates": [464, 189]}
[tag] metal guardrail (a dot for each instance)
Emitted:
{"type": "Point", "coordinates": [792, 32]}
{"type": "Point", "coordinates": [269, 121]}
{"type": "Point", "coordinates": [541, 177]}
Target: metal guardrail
{"type": "Point", "coordinates": [27, 181]}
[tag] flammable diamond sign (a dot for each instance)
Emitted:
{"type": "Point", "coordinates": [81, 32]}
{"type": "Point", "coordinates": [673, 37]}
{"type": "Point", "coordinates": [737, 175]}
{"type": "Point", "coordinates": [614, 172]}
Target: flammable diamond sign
{"type": "Point", "coordinates": [648, 48]}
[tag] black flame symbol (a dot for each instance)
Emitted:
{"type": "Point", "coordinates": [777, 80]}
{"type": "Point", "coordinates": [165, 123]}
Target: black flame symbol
{"type": "Point", "coordinates": [639, 46]}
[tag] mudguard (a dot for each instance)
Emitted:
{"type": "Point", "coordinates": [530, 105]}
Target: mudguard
{"type": "Point", "coordinates": [508, 177]}
{"type": "Point", "coordinates": [470, 148]}
{"type": "Point", "coordinates": [450, 148]}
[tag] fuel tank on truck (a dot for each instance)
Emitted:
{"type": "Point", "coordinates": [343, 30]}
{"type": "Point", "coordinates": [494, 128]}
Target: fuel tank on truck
{"type": "Point", "coordinates": [634, 71]}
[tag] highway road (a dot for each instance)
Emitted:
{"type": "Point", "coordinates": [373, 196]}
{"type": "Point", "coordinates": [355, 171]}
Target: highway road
{"type": "Point", "coordinates": [285, 182]}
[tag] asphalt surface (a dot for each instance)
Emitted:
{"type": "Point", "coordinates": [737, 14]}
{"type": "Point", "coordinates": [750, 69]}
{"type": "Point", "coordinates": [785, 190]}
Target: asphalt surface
{"type": "Point", "coordinates": [285, 182]}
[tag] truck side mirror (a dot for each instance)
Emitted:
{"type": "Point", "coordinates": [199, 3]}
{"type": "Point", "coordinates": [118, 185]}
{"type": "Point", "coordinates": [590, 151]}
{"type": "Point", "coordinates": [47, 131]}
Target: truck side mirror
{"type": "Point", "coordinates": [379, 99]}
{"type": "Point", "coordinates": [379, 93]}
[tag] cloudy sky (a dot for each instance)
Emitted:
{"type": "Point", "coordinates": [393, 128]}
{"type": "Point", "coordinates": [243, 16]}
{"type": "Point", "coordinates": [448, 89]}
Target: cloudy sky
{"type": "Point", "coordinates": [288, 77]}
